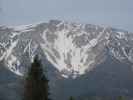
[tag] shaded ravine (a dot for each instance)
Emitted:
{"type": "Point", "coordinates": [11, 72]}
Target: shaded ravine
{"type": "Point", "coordinates": [111, 78]}
{"type": "Point", "coordinates": [10, 84]}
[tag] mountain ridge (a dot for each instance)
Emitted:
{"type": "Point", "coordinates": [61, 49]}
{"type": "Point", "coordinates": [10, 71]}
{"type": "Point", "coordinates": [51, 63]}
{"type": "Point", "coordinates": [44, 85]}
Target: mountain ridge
{"type": "Point", "coordinates": [72, 48]}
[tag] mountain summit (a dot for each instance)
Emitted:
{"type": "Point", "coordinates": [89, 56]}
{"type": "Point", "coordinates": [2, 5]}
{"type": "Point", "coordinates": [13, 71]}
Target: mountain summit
{"type": "Point", "coordinates": [72, 48]}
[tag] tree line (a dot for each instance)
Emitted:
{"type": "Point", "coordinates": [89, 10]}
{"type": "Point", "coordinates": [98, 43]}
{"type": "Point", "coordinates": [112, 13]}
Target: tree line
{"type": "Point", "coordinates": [36, 85]}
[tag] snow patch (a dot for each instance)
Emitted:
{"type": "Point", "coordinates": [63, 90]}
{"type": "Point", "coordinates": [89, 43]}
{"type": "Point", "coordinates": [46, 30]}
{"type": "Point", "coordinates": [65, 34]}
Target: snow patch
{"type": "Point", "coordinates": [13, 64]}
{"type": "Point", "coordinates": [93, 42]}
{"type": "Point", "coordinates": [64, 45]}
{"type": "Point", "coordinates": [120, 35]}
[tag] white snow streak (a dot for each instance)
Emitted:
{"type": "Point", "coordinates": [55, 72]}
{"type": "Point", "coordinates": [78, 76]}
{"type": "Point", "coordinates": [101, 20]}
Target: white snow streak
{"type": "Point", "coordinates": [9, 50]}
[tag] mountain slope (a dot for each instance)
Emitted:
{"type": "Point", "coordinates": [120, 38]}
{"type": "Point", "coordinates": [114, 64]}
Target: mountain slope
{"type": "Point", "coordinates": [73, 49]}
{"type": "Point", "coordinates": [81, 59]}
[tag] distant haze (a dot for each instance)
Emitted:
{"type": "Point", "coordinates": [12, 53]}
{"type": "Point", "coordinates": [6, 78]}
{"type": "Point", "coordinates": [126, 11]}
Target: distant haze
{"type": "Point", "coordinates": [115, 13]}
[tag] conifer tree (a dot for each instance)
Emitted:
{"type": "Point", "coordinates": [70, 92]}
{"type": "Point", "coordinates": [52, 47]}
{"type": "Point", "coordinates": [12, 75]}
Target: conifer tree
{"type": "Point", "coordinates": [121, 98]}
{"type": "Point", "coordinates": [71, 98]}
{"type": "Point", "coordinates": [36, 84]}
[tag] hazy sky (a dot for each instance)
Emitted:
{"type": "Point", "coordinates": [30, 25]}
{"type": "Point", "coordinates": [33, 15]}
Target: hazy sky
{"type": "Point", "coordinates": [115, 13]}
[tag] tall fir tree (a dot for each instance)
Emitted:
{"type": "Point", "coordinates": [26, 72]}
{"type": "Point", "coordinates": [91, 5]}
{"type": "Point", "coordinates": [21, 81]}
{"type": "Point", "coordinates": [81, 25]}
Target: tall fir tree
{"type": "Point", "coordinates": [121, 98]}
{"type": "Point", "coordinates": [71, 98]}
{"type": "Point", "coordinates": [36, 84]}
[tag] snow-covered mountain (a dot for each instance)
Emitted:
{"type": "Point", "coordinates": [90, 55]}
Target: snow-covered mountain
{"type": "Point", "coordinates": [72, 48]}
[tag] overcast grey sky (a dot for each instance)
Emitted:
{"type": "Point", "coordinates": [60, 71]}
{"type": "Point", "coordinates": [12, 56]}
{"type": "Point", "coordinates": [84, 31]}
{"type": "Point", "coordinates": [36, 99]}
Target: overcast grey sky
{"type": "Point", "coordinates": [115, 13]}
